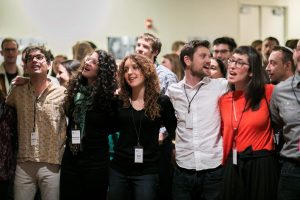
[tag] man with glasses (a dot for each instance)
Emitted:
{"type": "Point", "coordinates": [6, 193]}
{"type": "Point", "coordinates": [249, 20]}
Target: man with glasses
{"type": "Point", "coordinates": [41, 129]}
{"type": "Point", "coordinates": [223, 48]}
{"type": "Point", "coordinates": [9, 69]}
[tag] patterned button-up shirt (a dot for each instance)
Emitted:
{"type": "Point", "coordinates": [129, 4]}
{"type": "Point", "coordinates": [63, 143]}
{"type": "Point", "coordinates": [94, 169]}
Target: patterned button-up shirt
{"type": "Point", "coordinates": [166, 77]}
{"type": "Point", "coordinates": [47, 112]}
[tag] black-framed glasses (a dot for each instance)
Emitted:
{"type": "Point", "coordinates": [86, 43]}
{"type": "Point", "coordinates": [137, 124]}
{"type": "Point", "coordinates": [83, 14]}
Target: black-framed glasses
{"type": "Point", "coordinates": [221, 51]}
{"type": "Point", "coordinates": [237, 63]}
{"type": "Point", "coordinates": [38, 57]}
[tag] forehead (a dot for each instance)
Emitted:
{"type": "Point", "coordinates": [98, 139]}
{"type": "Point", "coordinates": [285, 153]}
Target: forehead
{"type": "Point", "coordinates": [10, 44]}
{"type": "Point", "coordinates": [214, 62]}
{"type": "Point", "coordinates": [144, 41]}
{"type": "Point", "coordinates": [221, 46]}
{"type": "Point", "coordinates": [240, 56]}
{"type": "Point", "coordinates": [202, 50]}
{"type": "Point", "coordinates": [276, 55]}
{"type": "Point", "coordinates": [129, 62]}
{"type": "Point", "coordinates": [35, 52]}
{"type": "Point", "coordinates": [269, 42]}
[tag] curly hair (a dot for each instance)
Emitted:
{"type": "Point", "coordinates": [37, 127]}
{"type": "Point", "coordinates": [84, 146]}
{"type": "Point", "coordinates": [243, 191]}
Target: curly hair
{"type": "Point", "coordinates": [106, 84]}
{"type": "Point", "coordinates": [152, 88]}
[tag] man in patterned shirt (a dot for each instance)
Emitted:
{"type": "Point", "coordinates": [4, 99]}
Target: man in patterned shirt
{"type": "Point", "coordinates": [41, 128]}
{"type": "Point", "coordinates": [150, 46]}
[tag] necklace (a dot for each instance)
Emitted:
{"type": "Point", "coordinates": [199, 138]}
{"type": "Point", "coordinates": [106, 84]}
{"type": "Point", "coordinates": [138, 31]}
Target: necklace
{"type": "Point", "coordinates": [233, 112]}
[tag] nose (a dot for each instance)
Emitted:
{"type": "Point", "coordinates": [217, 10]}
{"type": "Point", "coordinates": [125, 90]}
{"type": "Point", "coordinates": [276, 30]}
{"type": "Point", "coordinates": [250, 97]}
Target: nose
{"type": "Point", "coordinates": [268, 67]}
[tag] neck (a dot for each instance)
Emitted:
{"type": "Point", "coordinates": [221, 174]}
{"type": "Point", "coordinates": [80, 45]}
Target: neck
{"type": "Point", "coordinates": [138, 94]}
{"type": "Point", "coordinates": [10, 68]}
{"type": "Point", "coordinates": [288, 75]}
{"type": "Point", "coordinates": [39, 83]}
{"type": "Point", "coordinates": [192, 80]}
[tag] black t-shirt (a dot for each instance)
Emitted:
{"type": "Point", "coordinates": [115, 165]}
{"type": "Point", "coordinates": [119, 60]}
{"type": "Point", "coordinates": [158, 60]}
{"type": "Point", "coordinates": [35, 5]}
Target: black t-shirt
{"type": "Point", "coordinates": [135, 123]}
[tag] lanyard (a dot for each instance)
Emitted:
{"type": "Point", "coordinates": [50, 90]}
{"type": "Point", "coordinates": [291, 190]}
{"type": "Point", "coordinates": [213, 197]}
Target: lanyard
{"type": "Point", "coordinates": [189, 108]}
{"type": "Point", "coordinates": [294, 90]}
{"type": "Point", "coordinates": [233, 111]}
{"type": "Point", "coordinates": [137, 132]}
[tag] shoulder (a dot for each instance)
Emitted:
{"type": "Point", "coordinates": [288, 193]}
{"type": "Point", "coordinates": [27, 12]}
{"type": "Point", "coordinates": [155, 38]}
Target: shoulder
{"type": "Point", "coordinates": [175, 88]}
{"type": "Point", "coordinates": [160, 69]}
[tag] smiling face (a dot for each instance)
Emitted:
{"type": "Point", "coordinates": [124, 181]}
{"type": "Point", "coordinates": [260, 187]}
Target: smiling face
{"type": "Point", "coordinates": [62, 75]}
{"type": "Point", "coordinates": [144, 47]}
{"type": "Point", "coordinates": [90, 68]}
{"type": "Point", "coordinates": [215, 71]}
{"type": "Point", "coordinates": [133, 74]}
{"type": "Point", "coordinates": [238, 71]}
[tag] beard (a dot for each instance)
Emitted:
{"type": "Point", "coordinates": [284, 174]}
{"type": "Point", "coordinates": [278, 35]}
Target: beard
{"type": "Point", "coordinates": [199, 72]}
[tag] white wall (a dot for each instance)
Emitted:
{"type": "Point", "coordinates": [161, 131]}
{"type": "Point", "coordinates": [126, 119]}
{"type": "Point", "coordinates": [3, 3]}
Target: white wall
{"type": "Point", "coordinates": [63, 22]}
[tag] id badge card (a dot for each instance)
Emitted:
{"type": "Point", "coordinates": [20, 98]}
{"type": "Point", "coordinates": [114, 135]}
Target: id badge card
{"type": "Point", "coordinates": [138, 154]}
{"type": "Point", "coordinates": [75, 136]}
{"type": "Point", "coordinates": [33, 138]}
{"type": "Point", "coordinates": [189, 120]}
{"type": "Point", "coordinates": [234, 156]}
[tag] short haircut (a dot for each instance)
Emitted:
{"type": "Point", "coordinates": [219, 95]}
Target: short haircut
{"type": "Point", "coordinates": [287, 55]}
{"type": "Point", "coordinates": [190, 48]}
{"type": "Point", "coordinates": [270, 38]}
{"type": "Point", "coordinates": [176, 45]}
{"type": "Point", "coordinates": [155, 42]}
{"type": "Point", "coordinates": [291, 43]}
{"type": "Point", "coordinates": [42, 49]}
{"type": "Point", "coordinates": [256, 43]}
{"type": "Point", "coordinates": [9, 40]}
{"type": "Point", "coordinates": [226, 40]}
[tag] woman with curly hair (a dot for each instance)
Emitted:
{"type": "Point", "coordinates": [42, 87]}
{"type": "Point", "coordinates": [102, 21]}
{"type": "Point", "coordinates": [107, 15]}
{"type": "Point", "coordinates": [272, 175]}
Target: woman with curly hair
{"type": "Point", "coordinates": [134, 169]}
{"type": "Point", "coordinates": [92, 108]}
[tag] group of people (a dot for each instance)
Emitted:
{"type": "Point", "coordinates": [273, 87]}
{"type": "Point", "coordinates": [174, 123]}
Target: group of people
{"type": "Point", "coordinates": [221, 109]}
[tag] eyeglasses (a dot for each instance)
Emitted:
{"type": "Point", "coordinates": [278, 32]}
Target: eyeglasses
{"type": "Point", "coordinates": [10, 49]}
{"type": "Point", "coordinates": [91, 60]}
{"type": "Point", "coordinates": [237, 63]}
{"type": "Point", "coordinates": [222, 51]}
{"type": "Point", "coordinates": [38, 57]}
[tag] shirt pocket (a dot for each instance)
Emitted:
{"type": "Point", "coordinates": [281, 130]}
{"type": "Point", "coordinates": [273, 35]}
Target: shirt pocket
{"type": "Point", "coordinates": [290, 112]}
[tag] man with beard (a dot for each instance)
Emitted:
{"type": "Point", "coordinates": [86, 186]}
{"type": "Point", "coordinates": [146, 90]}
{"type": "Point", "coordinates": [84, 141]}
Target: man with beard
{"type": "Point", "coordinates": [198, 145]}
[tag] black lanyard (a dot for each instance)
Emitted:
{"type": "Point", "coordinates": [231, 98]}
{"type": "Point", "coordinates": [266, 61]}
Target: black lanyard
{"type": "Point", "coordinates": [138, 132]}
{"type": "Point", "coordinates": [192, 97]}
{"type": "Point", "coordinates": [294, 90]}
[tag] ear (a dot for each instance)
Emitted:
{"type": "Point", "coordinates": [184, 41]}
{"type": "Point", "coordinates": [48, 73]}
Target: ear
{"type": "Point", "coordinates": [155, 53]}
{"type": "Point", "coordinates": [1, 52]}
{"type": "Point", "coordinates": [187, 60]}
{"type": "Point", "coordinates": [288, 65]}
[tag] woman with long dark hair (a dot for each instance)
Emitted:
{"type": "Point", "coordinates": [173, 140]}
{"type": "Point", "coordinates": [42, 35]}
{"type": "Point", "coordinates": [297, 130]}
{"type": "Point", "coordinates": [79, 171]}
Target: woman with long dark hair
{"type": "Point", "coordinates": [92, 108]}
{"type": "Point", "coordinates": [250, 166]}
{"type": "Point", "coordinates": [134, 169]}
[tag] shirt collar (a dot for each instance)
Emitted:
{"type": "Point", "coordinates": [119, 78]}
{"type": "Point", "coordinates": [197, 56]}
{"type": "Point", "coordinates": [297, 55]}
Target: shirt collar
{"type": "Point", "coordinates": [204, 81]}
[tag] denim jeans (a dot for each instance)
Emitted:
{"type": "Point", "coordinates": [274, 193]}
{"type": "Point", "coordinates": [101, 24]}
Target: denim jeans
{"type": "Point", "coordinates": [289, 181]}
{"type": "Point", "coordinates": [123, 187]}
{"type": "Point", "coordinates": [204, 184]}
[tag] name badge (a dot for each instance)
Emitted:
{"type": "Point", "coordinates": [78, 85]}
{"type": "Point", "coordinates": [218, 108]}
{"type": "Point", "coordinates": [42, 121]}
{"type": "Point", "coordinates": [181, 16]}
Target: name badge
{"type": "Point", "coordinates": [189, 120]}
{"type": "Point", "coordinates": [75, 136]}
{"type": "Point", "coordinates": [234, 156]}
{"type": "Point", "coordinates": [33, 138]}
{"type": "Point", "coordinates": [138, 154]}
